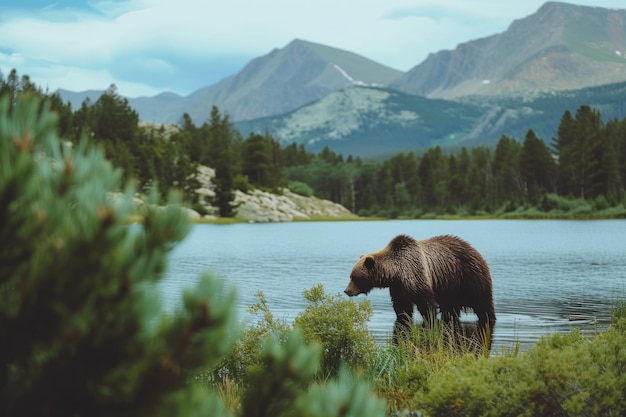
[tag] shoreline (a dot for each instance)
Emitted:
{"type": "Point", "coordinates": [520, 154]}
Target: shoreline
{"type": "Point", "coordinates": [450, 217]}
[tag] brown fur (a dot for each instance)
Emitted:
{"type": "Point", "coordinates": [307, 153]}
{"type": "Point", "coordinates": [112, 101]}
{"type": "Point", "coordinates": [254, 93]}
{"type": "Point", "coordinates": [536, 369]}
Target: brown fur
{"type": "Point", "coordinates": [443, 272]}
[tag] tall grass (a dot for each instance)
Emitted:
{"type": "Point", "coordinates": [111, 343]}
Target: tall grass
{"type": "Point", "coordinates": [440, 370]}
{"type": "Point", "coordinates": [403, 372]}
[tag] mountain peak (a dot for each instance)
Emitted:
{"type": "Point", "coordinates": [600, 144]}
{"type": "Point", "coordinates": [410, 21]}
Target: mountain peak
{"type": "Point", "coordinates": [287, 78]}
{"type": "Point", "coordinates": [561, 46]}
{"type": "Point", "coordinates": [357, 66]}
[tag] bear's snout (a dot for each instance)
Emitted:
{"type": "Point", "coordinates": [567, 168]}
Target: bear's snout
{"type": "Point", "coordinates": [352, 290]}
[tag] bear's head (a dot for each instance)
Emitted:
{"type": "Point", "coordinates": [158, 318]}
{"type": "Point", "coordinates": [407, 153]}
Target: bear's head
{"type": "Point", "coordinates": [362, 277]}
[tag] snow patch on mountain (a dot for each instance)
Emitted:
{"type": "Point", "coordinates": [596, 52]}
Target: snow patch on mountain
{"type": "Point", "coordinates": [352, 80]}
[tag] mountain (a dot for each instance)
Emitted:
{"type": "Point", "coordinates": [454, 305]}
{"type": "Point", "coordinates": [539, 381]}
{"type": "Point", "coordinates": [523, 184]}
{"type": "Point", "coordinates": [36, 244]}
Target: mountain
{"type": "Point", "coordinates": [374, 122]}
{"type": "Point", "coordinates": [76, 98]}
{"type": "Point", "coordinates": [288, 78]}
{"type": "Point", "coordinates": [276, 83]}
{"type": "Point", "coordinates": [369, 121]}
{"type": "Point", "coordinates": [561, 46]}
{"type": "Point", "coordinates": [557, 59]}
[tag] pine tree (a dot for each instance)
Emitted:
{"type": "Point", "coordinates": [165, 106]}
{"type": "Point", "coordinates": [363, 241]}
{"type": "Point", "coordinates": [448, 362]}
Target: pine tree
{"type": "Point", "coordinates": [537, 167]}
{"type": "Point", "coordinates": [563, 149]}
{"type": "Point", "coordinates": [587, 139]}
{"type": "Point", "coordinates": [258, 161]}
{"type": "Point", "coordinates": [610, 182]}
{"type": "Point", "coordinates": [81, 330]}
{"type": "Point", "coordinates": [506, 171]}
{"type": "Point", "coordinates": [459, 178]}
{"type": "Point", "coordinates": [221, 140]}
{"type": "Point", "coordinates": [481, 179]}
{"type": "Point", "coordinates": [433, 173]}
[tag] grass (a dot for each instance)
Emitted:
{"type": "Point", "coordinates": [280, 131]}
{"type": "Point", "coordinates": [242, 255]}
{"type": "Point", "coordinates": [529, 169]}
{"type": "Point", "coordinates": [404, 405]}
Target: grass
{"type": "Point", "coordinates": [434, 375]}
{"type": "Point", "coordinates": [608, 214]}
{"type": "Point", "coordinates": [338, 219]}
{"type": "Point", "coordinates": [437, 371]}
{"type": "Point", "coordinates": [552, 207]}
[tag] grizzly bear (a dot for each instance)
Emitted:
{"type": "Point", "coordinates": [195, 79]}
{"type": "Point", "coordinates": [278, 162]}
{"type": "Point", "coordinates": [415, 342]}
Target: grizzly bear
{"type": "Point", "coordinates": [442, 272]}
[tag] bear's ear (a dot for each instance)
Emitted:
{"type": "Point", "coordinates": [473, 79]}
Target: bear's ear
{"type": "Point", "coordinates": [369, 262]}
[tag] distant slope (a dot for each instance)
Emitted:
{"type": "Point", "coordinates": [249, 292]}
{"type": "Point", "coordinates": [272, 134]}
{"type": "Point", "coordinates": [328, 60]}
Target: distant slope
{"type": "Point", "coordinates": [543, 112]}
{"type": "Point", "coordinates": [164, 106]}
{"type": "Point", "coordinates": [559, 58]}
{"type": "Point", "coordinates": [76, 98]}
{"type": "Point", "coordinates": [561, 46]}
{"type": "Point", "coordinates": [278, 82]}
{"type": "Point", "coordinates": [371, 122]}
{"type": "Point", "coordinates": [286, 79]}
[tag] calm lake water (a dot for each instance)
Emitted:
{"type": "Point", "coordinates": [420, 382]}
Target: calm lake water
{"type": "Point", "coordinates": [548, 275]}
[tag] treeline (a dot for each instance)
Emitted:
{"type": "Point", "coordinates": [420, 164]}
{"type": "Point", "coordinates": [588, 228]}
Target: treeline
{"type": "Point", "coordinates": [585, 162]}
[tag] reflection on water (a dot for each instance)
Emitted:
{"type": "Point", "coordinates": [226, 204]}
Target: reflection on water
{"type": "Point", "coordinates": [549, 276]}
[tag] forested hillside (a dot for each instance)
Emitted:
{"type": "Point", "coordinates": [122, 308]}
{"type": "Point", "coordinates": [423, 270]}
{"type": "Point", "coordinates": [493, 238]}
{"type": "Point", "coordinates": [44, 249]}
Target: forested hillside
{"type": "Point", "coordinates": [580, 171]}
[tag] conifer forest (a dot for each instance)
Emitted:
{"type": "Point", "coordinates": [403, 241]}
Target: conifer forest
{"type": "Point", "coordinates": [582, 168]}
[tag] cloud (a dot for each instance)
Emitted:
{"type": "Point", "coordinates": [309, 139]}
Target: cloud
{"type": "Point", "coordinates": [150, 46]}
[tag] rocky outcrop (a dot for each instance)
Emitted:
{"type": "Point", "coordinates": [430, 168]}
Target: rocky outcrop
{"type": "Point", "coordinates": [253, 206]}
{"type": "Point", "coordinates": [262, 206]}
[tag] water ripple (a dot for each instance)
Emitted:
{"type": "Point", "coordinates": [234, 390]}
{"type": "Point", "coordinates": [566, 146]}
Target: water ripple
{"type": "Point", "coordinates": [549, 276]}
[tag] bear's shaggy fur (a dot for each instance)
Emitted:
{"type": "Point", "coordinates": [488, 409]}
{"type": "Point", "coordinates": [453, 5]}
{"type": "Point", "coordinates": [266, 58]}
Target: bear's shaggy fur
{"type": "Point", "coordinates": [442, 272]}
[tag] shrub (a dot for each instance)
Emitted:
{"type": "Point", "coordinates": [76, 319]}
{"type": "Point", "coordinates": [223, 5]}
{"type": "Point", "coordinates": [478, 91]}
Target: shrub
{"type": "Point", "coordinates": [403, 373]}
{"type": "Point", "coordinates": [583, 209]}
{"type": "Point", "coordinates": [555, 202]}
{"type": "Point", "coordinates": [81, 331]}
{"type": "Point", "coordinates": [241, 183]}
{"type": "Point", "coordinates": [563, 375]}
{"type": "Point", "coordinates": [340, 326]}
{"type": "Point", "coordinates": [300, 188]}
{"type": "Point", "coordinates": [245, 356]}
{"type": "Point", "coordinates": [601, 203]}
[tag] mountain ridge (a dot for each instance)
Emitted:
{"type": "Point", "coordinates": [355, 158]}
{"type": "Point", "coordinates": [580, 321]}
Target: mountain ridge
{"type": "Point", "coordinates": [402, 122]}
{"type": "Point", "coordinates": [309, 93]}
{"type": "Point", "coordinates": [561, 46]}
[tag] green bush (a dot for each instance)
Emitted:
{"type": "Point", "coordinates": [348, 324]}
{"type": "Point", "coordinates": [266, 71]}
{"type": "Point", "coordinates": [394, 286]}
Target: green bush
{"type": "Point", "coordinates": [554, 202]}
{"type": "Point", "coordinates": [340, 326]}
{"type": "Point", "coordinates": [300, 188]}
{"type": "Point", "coordinates": [403, 373]}
{"type": "Point", "coordinates": [563, 375]}
{"type": "Point", "coordinates": [241, 183]}
{"type": "Point", "coordinates": [81, 329]}
{"type": "Point", "coordinates": [601, 203]}
{"type": "Point", "coordinates": [245, 356]}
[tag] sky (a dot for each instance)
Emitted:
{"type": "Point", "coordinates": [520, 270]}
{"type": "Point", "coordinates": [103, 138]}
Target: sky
{"type": "Point", "coordinates": [146, 47]}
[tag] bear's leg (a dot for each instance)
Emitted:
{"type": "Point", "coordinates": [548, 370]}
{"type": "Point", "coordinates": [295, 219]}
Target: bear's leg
{"type": "Point", "coordinates": [403, 307]}
{"type": "Point", "coordinates": [427, 306]}
{"type": "Point", "coordinates": [486, 323]}
{"type": "Point", "coordinates": [451, 316]}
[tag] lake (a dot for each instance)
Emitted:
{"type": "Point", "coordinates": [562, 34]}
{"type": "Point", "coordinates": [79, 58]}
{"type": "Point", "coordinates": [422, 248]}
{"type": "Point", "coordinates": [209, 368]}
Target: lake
{"type": "Point", "coordinates": [548, 275]}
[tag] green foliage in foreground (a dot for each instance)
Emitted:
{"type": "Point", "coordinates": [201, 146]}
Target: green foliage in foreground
{"type": "Point", "coordinates": [81, 329]}
{"type": "Point", "coordinates": [439, 372]}
{"type": "Point", "coordinates": [340, 326]}
{"type": "Point", "coordinates": [563, 375]}
{"type": "Point", "coordinates": [335, 323]}
{"type": "Point", "coordinates": [82, 333]}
